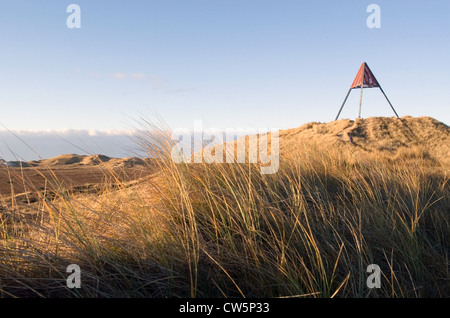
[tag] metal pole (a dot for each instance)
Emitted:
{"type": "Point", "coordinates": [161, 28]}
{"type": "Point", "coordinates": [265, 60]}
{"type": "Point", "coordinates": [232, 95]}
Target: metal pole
{"type": "Point", "coordinates": [343, 103]}
{"type": "Point", "coordinates": [360, 100]}
{"type": "Point", "coordinates": [388, 101]}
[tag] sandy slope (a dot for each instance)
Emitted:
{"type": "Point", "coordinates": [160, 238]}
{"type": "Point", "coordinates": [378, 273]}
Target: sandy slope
{"type": "Point", "coordinates": [387, 135]}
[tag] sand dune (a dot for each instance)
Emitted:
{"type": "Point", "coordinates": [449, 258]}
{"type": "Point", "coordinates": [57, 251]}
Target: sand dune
{"type": "Point", "coordinates": [387, 137]}
{"type": "Point", "coordinates": [375, 134]}
{"type": "Point", "coordinates": [74, 160]}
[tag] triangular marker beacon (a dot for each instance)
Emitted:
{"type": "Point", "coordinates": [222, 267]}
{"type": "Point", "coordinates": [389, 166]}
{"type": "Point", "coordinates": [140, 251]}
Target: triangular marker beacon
{"type": "Point", "coordinates": [364, 79]}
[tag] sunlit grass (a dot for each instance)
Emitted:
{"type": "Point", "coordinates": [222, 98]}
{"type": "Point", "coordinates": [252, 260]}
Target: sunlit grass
{"type": "Point", "coordinates": [224, 230]}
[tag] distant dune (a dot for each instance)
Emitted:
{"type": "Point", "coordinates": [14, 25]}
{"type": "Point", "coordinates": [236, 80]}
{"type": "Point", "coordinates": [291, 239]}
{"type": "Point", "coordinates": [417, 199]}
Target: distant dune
{"type": "Point", "coordinates": [71, 171]}
{"type": "Point", "coordinates": [74, 160]}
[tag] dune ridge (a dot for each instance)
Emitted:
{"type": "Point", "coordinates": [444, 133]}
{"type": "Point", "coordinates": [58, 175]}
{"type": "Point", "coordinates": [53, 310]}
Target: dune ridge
{"type": "Point", "coordinates": [388, 137]}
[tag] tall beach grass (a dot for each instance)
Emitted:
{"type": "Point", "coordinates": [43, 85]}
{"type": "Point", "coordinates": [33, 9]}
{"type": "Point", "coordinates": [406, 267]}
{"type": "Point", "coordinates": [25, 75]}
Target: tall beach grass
{"type": "Point", "coordinates": [226, 230]}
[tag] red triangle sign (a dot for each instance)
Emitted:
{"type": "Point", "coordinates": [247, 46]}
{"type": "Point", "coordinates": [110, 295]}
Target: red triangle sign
{"type": "Point", "coordinates": [365, 78]}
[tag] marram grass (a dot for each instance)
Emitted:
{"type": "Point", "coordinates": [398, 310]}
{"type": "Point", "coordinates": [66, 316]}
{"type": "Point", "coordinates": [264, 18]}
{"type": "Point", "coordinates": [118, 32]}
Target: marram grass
{"type": "Point", "coordinates": [225, 230]}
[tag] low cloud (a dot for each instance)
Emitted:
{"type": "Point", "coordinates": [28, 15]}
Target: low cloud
{"type": "Point", "coordinates": [138, 76]}
{"type": "Point", "coordinates": [160, 84]}
{"type": "Point", "coordinates": [120, 75]}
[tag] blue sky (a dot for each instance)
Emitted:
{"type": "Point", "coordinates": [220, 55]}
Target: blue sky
{"type": "Point", "coordinates": [230, 63]}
